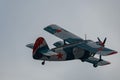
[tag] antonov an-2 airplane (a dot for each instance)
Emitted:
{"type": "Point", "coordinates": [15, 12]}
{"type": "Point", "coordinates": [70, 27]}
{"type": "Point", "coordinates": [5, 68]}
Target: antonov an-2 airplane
{"type": "Point", "coordinates": [72, 47]}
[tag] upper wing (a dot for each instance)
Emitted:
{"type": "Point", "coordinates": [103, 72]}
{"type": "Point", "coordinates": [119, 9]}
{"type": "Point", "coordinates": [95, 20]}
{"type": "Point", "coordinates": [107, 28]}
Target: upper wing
{"type": "Point", "coordinates": [97, 49]}
{"type": "Point", "coordinates": [62, 33]}
{"type": "Point", "coordinates": [97, 61]}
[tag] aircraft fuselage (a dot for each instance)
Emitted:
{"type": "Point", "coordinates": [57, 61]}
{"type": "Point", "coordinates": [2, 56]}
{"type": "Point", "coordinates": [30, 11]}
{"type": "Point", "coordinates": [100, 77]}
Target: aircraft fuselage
{"type": "Point", "coordinates": [66, 52]}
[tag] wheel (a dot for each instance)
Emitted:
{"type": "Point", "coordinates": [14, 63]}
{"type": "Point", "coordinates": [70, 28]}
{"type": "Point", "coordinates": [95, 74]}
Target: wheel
{"type": "Point", "coordinates": [43, 63]}
{"type": "Point", "coordinates": [82, 60]}
{"type": "Point", "coordinates": [95, 65]}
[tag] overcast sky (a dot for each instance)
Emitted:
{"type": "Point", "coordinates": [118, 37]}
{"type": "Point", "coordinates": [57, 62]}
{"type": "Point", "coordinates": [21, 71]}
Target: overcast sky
{"type": "Point", "coordinates": [22, 21]}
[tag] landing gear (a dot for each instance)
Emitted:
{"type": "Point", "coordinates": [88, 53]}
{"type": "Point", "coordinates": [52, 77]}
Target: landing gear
{"type": "Point", "coordinates": [95, 65]}
{"type": "Point", "coordinates": [43, 62]}
{"type": "Point", "coordinates": [83, 60]}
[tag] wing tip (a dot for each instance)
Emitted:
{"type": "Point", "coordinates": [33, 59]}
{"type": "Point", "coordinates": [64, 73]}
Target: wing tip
{"type": "Point", "coordinates": [105, 63]}
{"type": "Point", "coordinates": [51, 25]}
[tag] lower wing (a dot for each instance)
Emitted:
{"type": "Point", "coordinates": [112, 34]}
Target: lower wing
{"type": "Point", "coordinates": [97, 62]}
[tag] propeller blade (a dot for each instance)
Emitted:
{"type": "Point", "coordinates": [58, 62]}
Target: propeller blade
{"type": "Point", "coordinates": [99, 39]}
{"type": "Point", "coordinates": [104, 41]}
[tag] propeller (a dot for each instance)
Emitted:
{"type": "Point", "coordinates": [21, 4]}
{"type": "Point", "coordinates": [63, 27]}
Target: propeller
{"type": "Point", "coordinates": [102, 43]}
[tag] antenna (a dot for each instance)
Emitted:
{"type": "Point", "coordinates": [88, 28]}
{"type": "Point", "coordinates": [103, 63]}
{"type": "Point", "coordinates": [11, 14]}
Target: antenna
{"type": "Point", "coordinates": [85, 37]}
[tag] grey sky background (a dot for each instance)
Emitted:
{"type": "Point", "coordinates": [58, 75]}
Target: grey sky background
{"type": "Point", "coordinates": [22, 21]}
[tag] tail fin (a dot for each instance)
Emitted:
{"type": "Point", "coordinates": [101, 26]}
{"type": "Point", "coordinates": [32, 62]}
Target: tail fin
{"type": "Point", "coordinates": [40, 44]}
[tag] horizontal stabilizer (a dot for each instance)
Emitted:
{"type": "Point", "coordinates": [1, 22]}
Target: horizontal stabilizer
{"type": "Point", "coordinates": [31, 45]}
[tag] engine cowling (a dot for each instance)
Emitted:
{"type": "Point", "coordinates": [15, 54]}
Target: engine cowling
{"type": "Point", "coordinates": [58, 43]}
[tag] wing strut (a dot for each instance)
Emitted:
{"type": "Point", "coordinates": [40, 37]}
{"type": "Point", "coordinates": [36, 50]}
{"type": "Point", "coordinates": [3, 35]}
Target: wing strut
{"type": "Point", "coordinates": [64, 42]}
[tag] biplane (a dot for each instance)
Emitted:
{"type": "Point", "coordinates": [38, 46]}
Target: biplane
{"type": "Point", "coordinates": [70, 48]}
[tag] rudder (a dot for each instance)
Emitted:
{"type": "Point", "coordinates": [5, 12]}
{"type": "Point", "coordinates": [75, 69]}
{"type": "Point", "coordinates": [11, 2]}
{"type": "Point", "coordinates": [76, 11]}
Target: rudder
{"type": "Point", "coordinates": [40, 45]}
